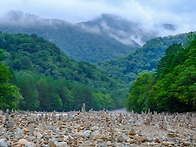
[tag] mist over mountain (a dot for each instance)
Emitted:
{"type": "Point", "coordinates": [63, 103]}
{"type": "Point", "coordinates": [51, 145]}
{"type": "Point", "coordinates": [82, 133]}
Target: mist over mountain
{"type": "Point", "coordinates": [105, 37]}
{"type": "Point", "coordinates": [127, 32]}
{"type": "Point", "coordinates": [77, 43]}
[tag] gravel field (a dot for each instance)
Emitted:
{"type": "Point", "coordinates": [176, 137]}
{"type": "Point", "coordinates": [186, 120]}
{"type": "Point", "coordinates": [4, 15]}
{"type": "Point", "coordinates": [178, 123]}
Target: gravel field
{"type": "Point", "coordinates": [96, 128]}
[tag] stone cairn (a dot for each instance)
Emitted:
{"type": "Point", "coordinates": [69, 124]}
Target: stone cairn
{"type": "Point", "coordinates": [96, 128]}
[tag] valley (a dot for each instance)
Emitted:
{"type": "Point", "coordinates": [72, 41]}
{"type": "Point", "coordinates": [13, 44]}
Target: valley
{"type": "Point", "coordinates": [83, 65]}
{"type": "Point", "coordinates": [88, 73]}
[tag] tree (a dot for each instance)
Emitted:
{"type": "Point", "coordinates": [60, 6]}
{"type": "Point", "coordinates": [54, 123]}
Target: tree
{"type": "Point", "coordinates": [136, 99]}
{"type": "Point", "coordinates": [26, 81]}
{"type": "Point", "coordinates": [9, 93]}
{"type": "Point", "coordinates": [48, 96]}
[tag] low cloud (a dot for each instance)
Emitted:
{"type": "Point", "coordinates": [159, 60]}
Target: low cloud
{"type": "Point", "coordinates": [148, 12]}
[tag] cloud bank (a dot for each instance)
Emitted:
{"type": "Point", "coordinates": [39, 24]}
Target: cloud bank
{"type": "Point", "coordinates": [148, 12]}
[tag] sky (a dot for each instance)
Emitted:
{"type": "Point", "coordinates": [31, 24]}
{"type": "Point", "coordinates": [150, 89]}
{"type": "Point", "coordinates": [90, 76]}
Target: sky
{"type": "Point", "coordinates": [148, 12]}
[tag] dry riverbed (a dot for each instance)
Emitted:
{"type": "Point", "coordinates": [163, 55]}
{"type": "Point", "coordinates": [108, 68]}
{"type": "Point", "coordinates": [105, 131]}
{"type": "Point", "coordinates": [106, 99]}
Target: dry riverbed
{"type": "Point", "coordinates": [96, 128]}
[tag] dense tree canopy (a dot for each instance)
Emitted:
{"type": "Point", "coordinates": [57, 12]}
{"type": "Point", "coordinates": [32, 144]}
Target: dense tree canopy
{"type": "Point", "coordinates": [49, 80]}
{"type": "Point", "coordinates": [135, 100]}
{"type": "Point", "coordinates": [9, 93]}
{"type": "Point", "coordinates": [173, 87]}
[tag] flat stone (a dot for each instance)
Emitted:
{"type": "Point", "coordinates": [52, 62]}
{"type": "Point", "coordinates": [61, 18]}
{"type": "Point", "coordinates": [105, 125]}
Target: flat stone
{"type": "Point", "coordinates": [121, 139]}
{"type": "Point", "coordinates": [114, 144]}
{"type": "Point", "coordinates": [168, 143]}
{"type": "Point", "coordinates": [19, 132]}
{"type": "Point", "coordinates": [38, 134]}
{"type": "Point", "coordinates": [132, 141]}
{"type": "Point", "coordinates": [31, 129]}
{"type": "Point", "coordinates": [171, 131]}
{"type": "Point", "coordinates": [24, 142]}
{"type": "Point", "coordinates": [186, 143]}
{"type": "Point", "coordinates": [31, 138]}
{"type": "Point", "coordinates": [30, 145]}
{"type": "Point", "coordinates": [80, 134]}
{"type": "Point", "coordinates": [171, 135]}
{"type": "Point", "coordinates": [60, 144]}
{"type": "Point", "coordinates": [97, 135]}
{"type": "Point", "coordinates": [3, 143]}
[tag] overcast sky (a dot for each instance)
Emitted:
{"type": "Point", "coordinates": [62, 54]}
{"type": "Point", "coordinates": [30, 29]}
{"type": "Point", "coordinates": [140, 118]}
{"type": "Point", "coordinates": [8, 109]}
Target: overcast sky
{"type": "Point", "coordinates": [149, 12]}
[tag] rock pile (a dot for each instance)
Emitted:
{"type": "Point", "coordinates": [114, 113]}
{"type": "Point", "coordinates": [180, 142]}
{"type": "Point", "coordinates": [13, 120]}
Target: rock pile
{"type": "Point", "coordinates": [96, 128]}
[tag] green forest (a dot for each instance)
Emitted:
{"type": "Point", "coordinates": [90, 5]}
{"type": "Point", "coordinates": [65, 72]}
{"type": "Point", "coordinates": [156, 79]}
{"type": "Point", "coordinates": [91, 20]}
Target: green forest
{"type": "Point", "coordinates": [36, 75]}
{"type": "Point", "coordinates": [172, 88]}
{"type": "Point", "coordinates": [40, 77]}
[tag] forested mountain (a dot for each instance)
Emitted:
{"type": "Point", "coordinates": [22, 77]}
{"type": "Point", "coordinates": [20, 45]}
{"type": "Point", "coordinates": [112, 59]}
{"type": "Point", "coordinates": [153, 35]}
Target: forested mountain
{"type": "Point", "coordinates": [127, 32]}
{"type": "Point", "coordinates": [49, 80]}
{"type": "Point", "coordinates": [77, 43]}
{"type": "Point", "coordinates": [141, 60]}
{"type": "Point", "coordinates": [173, 87]}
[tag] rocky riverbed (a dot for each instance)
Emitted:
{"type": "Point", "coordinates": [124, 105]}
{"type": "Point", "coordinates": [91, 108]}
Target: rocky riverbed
{"type": "Point", "coordinates": [96, 128]}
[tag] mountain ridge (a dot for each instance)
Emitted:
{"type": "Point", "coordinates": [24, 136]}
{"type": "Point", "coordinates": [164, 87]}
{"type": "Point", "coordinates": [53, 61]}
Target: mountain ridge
{"type": "Point", "coordinates": [125, 31]}
{"type": "Point", "coordinates": [77, 43]}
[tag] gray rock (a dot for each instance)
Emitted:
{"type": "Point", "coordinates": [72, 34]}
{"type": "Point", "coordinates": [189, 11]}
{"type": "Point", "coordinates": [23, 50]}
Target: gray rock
{"type": "Point", "coordinates": [121, 139]}
{"type": "Point", "coordinates": [114, 144]}
{"type": "Point", "coordinates": [87, 133]}
{"type": "Point", "coordinates": [31, 129]}
{"type": "Point", "coordinates": [60, 144]}
{"type": "Point", "coordinates": [3, 143]}
{"type": "Point", "coordinates": [31, 138]}
{"type": "Point", "coordinates": [104, 144]}
{"type": "Point", "coordinates": [19, 132]}
{"type": "Point", "coordinates": [2, 130]}
{"type": "Point", "coordinates": [29, 145]}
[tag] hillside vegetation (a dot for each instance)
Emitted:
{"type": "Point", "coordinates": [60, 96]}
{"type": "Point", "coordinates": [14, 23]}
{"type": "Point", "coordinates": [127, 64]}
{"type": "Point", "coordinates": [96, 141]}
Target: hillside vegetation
{"type": "Point", "coordinates": [173, 86]}
{"type": "Point", "coordinates": [142, 60]}
{"type": "Point", "coordinates": [49, 80]}
{"type": "Point", "coordinates": [9, 93]}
